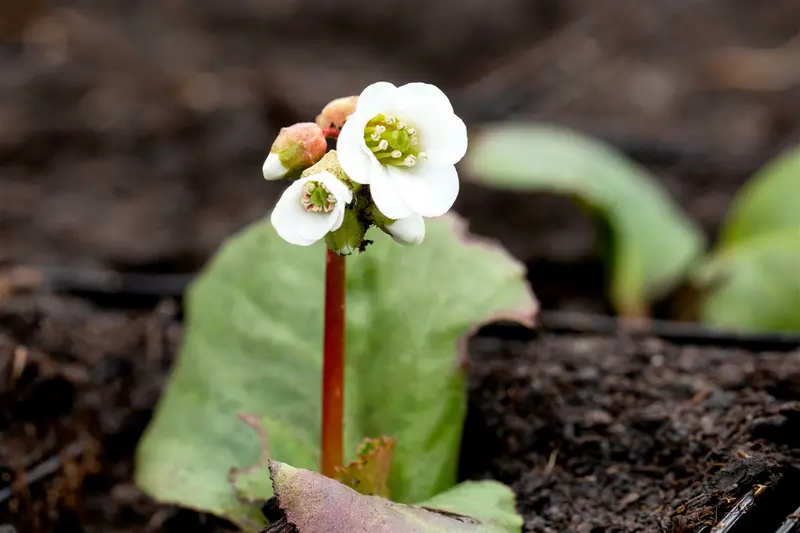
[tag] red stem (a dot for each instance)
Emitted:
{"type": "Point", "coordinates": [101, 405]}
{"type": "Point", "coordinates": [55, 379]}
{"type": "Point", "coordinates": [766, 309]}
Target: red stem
{"type": "Point", "coordinates": [333, 365]}
{"type": "Point", "coordinates": [331, 133]}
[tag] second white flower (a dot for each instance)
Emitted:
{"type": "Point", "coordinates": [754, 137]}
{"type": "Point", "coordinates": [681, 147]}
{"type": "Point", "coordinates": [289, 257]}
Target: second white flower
{"type": "Point", "coordinates": [310, 208]}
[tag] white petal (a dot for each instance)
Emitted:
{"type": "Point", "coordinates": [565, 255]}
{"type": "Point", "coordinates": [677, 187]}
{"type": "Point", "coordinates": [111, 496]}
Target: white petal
{"type": "Point", "coordinates": [294, 224]}
{"type": "Point", "coordinates": [442, 135]}
{"type": "Point", "coordinates": [272, 168]}
{"type": "Point", "coordinates": [354, 156]}
{"type": "Point", "coordinates": [408, 231]}
{"type": "Point", "coordinates": [339, 190]}
{"type": "Point", "coordinates": [426, 94]}
{"type": "Point", "coordinates": [377, 98]}
{"type": "Point", "coordinates": [428, 189]}
{"type": "Point", "coordinates": [385, 193]}
{"type": "Point", "coordinates": [338, 215]}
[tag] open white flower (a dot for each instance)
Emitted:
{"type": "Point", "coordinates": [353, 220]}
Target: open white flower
{"type": "Point", "coordinates": [310, 208]}
{"type": "Point", "coordinates": [404, 142]}
{"type": "Point", "coordinates": [408, 231]}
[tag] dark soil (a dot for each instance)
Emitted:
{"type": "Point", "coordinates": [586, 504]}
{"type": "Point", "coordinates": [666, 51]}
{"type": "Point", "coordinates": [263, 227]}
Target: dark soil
{"type": "Point", "coordinates": [78, 387]}
{"type": "Point", "coordinates": [595, 434]}
{"type": "Point", "coordinates": [618, 435]}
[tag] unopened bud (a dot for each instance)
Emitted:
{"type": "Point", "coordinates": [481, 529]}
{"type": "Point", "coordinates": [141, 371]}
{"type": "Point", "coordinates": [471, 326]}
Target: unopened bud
{"type": "Point", "coordinates": [408, 231]}
{"type": "Point", "coordinates": [335, 114]}
{"type": "Point", "coordinates": [296, 148]}
{"type": "Point", "coordinates": [330, 163]}
{"type": "Point", "coordinates": [349, 237]}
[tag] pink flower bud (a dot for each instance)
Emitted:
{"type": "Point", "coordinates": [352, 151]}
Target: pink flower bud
{"type": "Point", "coordinates": [335, 114]}
{"type": "Point", "coordinates": [296, 148]}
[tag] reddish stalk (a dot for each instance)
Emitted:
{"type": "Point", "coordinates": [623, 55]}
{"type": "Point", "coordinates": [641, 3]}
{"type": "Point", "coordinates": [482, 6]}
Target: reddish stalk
{"type": "Point", "coordinates": [331, 133]}
{"type": "Point", "coordinates": [333, 365]}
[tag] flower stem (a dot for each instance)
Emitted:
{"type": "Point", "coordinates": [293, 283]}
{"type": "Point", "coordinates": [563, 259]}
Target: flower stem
{"type": "Point", "coordinates": [333, 365]}
{"type": "Point", "coordinates": [331, 133]}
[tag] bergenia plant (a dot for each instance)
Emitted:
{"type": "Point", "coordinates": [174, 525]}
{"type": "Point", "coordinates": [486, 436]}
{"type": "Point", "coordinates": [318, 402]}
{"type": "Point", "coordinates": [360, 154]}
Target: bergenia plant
{"type": "Point", "coordinates": [265, 325]}
{"type": "Point", "coordinates": [394, 164]}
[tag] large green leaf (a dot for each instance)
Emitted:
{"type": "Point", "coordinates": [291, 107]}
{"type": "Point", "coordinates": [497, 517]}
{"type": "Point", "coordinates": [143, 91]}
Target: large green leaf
{"type": "Point", "coordinates": [313, 503]}
{"type": "Point", "coordinates": [253, 343]}
{"type": "Point", "coordinates": [651, 243]}
{"type": "Point", "coordinates": [767, 204]}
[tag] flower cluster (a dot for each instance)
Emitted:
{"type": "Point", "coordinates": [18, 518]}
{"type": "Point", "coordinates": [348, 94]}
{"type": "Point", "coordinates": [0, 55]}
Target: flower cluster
{"type": "Point", "coordinates": [394, 163]}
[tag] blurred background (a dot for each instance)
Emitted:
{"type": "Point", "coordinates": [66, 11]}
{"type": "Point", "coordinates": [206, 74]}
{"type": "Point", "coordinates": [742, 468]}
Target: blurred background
{"type": "Point", "coordinates": [132, 133]}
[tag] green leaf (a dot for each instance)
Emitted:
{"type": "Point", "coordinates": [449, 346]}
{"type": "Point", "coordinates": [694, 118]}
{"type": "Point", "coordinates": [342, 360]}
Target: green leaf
{"type": "Point", "coordinates": [253, 345]}
{"type": "Point", "coordinates": [752, 280]}
{"type": "Point", "coordinates": [767, 204]}
{"type": "Point", "coordinates": [652, 242]}
{"type": "Point", "coordinates": [488, 501]}
{"type": "Point", "coordinates": [754, 285]}
{"type": "Point", "coordinates": [316, 504]}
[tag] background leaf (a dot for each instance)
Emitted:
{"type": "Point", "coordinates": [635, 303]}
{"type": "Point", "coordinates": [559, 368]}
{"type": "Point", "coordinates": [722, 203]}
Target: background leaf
{"type": "Point", "coordinates": [652, 242]}
{"type": "Point", "coordinates": [253, 344]}
{"type": "Point", "coordinates": [752, 280]}
{"type": "Point", "coordinates": [755, 285]}
{"type": "Point", "coordinates": [768, 203]}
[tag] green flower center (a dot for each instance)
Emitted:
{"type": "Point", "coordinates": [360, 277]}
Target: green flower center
{"type": "Point", "coordinates": [317, 198]}
{"type": "Point", "coordinates": [393, 141]}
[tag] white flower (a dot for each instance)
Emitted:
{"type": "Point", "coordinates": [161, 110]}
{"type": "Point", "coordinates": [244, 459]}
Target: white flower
{"type": "Point", "coordinates": [272, 168]}
{"type": "Point", "coordinates": [408, 231]}
{"type": "Point", "coordinates": [404, 143]}
{"type": "Point", "coordinates": [310, 208]}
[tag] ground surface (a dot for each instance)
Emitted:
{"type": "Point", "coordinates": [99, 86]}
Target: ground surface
{"type": "Point", "coordinates": [594, 434]}
{"type": "Point", "coordinates": [603, 434]}
{"type": "Point", "coordinates": [130, 138]}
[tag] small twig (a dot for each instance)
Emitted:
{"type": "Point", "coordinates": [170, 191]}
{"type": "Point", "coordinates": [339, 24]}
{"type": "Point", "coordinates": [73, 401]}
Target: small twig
{"type": "Point", "coordinates": [791, 524]}
{"type": "Point", "coordinates": [551, 463]}
{"type": "Point", "coordinates": [45, 468]}
{"type": "Point", "coordinates": [742, 506]}
{"type": "Point", "coordinates": [18, 364]}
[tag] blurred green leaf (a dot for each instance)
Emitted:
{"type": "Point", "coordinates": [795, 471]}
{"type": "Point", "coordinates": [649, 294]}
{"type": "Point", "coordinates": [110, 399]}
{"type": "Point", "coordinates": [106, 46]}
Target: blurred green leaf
{"type": "Point", "coordinates": [768, 203]}
{"type": "Point", "coordinates": [651, 241]}
{"type": "Point", "coordinates": [752, 280]}
{"type": "Point", "coordinates": [754, 285]}
{"type": "Point", "coordinates": [316, 504]}
{"type": "Point", "coordinates": [253, 344]}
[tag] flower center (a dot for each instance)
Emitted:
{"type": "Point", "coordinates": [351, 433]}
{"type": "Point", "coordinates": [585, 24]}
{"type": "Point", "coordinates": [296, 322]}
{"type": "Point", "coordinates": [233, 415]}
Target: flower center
{"type": "Point", "coordinates": [317, 198]}
{"type": "Point", "coordinates": [393, 141]}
